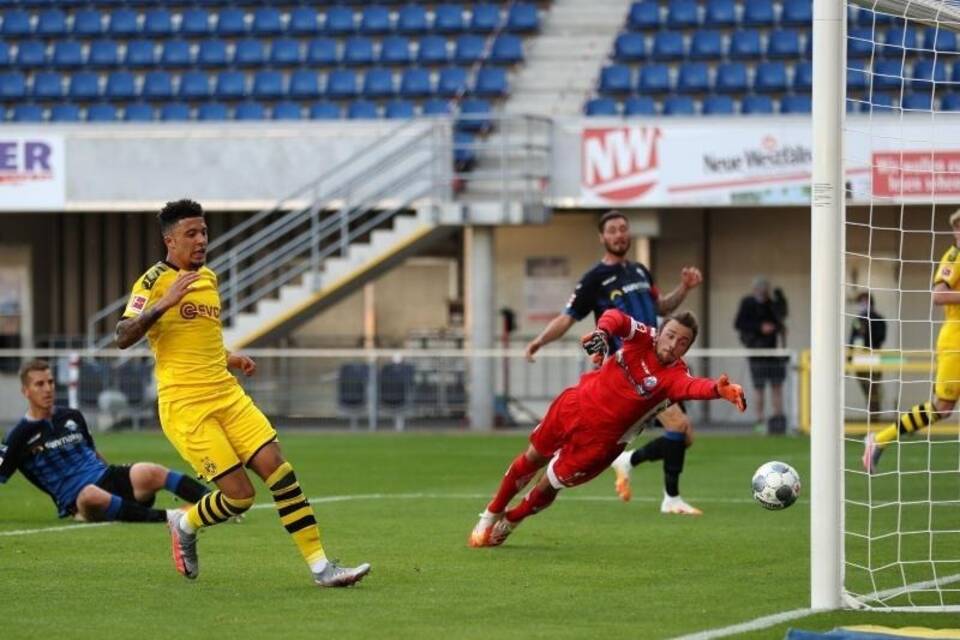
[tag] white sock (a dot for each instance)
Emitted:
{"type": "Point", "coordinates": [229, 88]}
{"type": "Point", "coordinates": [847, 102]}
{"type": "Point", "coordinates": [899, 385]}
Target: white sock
{"type": "Point", "coordinates": [672, 499]}
{"type": "Point", "coordinates": [317, 566]}
{"type": "Point", "coordinates": [185, 525]}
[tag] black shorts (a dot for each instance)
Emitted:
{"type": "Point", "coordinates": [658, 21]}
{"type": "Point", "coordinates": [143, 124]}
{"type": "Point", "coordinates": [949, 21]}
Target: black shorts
{"type": "Point", "coordinates": [116, 480]}
{"type": "Point", "coordinates": [766, 371]}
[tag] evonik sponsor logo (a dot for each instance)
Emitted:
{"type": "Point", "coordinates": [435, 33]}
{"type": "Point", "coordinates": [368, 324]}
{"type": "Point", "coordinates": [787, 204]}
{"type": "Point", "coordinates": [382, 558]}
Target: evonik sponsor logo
{"type": "Point", "coordinates": [189, 311]}
{"type": "Point", "coordinates": [770, 154]}
{"type": "Point", "coordinates": [24, 161]}
{"type": "Point", "coordinates": [620, 163]}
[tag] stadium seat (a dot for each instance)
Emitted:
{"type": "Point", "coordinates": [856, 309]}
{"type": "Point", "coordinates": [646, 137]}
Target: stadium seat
{"type": "Point", "coordinates": [758, 13]}
{"type": "Point", "coordinates": [745, 45]}
{"type": "Point", "coordinates": [175, 53]}
{"type": "Point", "coordinates": [47, 85]}
{"type": "Point", "coordinates": [194, 85]}
{"type": "Point", "coordinates": [268, 85]}
{"type": "Point", "coordinates": [267, 21]}
{"type": "Point", "coordinates": [630, 47]}
{"type": "Point", "coordinates": [490, 82]}
{"type": "Point", "coordinates": [6, 58]}
{"type": "Point", "coordinates": [731, 78]}
{"type": "Point", "coordinates": [679, 106]}
{"type": "Point", "coordinates": [67, 54]}
{"type": "Point", "coordinates": [231, 23]}
{"type": "Point", "coordinates": [468, 49]}
{"type": "Point", "coordinates": [357, 51]}
{"type": "Point", "coordinates": [616, 79]}
{"type": "Point", "coordinates": [464, 155]}
{"type": "Point", "coordinates": [654, 78]}
{"type": "Point", "coordinates": [16, 24]}
{"type": "Point", "coordinates": [399, 110]}
{"type": "Point", "coordinates": [507, 49]}
{"type": "Point", "coordinates": [925, 75]}
{"type": "Point", "coordinates": [30, 54]}
{"type": "Point", "coordinates": [339, 21]}
{"type": "Point", "coordinates": [485, 18]}
{"type": "Point", "coordinates": [87, 23]}
{"type": "Point", "coordinates": [212, 53]}
{"type": "Point", "coordinates": [212, 111]}
{"type": "Point", "coordinates": [523, 17]}
{"type": "Point", "coordinates": [362, 110]}
{"type": "Point", "coordinates": [858, 78]}
{"type": "Point", "coordinates": [230, 85]}
{"type": "Point", "coordinates": [83, 85]}
{"type": "Point", "coordinates": [101, 113]}
{"type": "Point", "coordinates": [693, 77]}
{"type": "Point", "coordinates": [341, 83]}
{"type": "Point", "coordinates": [720, 13]}
{"type": "Point", "coordinates": [286, 111]}
{"type": "Point", "coordinates": [412, 20]}
{"type": "Point", "coordinates": [304, 83]}
{"type": "Point", "coordinates": [64, 112]}
{"type": "Point", "coordinates": [859, 42]}
{"type": "Point", "coordinates": [194, 22]}
{"type": "Point", "coordinates": [415, 83]}
{"type": "Point", "coordinates": [122, 23]}
{"type": "Point", "coordinates": [27, 113]}
{"type": "Point", "coordinates": [751, 105]}
{"type": "Point", "coordinates": [644, 16]}
{"type": "Point", "coordinates": [950, 102]}
{"type": "Point", "coordinates": [378, 83]}
{"type": "Point", "coordinates": [867, 18]}
{"type": "Point", "coordinates": [706, 45]}
{"type": "Point", "coordinates": [795, 104]}
{"type": "Point", "coordinates": [352, 385]}
{"type": "Point", "coordinates": [896, 40]}
{"type": "Point", "coordinates": [639, 106]}
{"type": "Point", "coordinates": [797, 13]}
{"type": "Point", "coordinates": [770, 77]}
{"type": "Point", "coordinates": [448, 18]}
{"type": "Point", "coordinates": [683, 14]}
{"type": "Point", "coordinates": [803, 77]}
{"type": "Point", "coordinates": [395, 50]}
{"type": "Point", "coordinates": [375, 20]}
{"type": "Point", "coordinates": [939, 40]}
{"type": "Point", "coordinates": [474, 115]}
{"type": "Point", "coordinates": [138, 112]}
{"type": "Point", "coordinates": [284, 52]}
{"type": "Point", "coordinates": [433, 50]}
{"type": "Point", "coordinates": [324, 111]}
{"type": "Point", "coordinates": [451, 81]}
{"type": "Point", "coordinates": [121, 85]}
{"type": "Point", "coordinates": [887, 75]}
{"type": "Point", "coordinates": [601, 107]}
{"type": "Point", "coordinates": [51, 23]}
{"type": "Point", "coordinates": [922, 101]}
{"type": "Point", "coordinates": [667, 45]}
{"type": "Point", "coordinates": [322, 52]}
{"type": "Point", "coordinates": [436, 107]}
{"type": "Point", "coordinates": [880, 103]}
{"type": "Point", "coordinates": [718, 106]}
{"type": "Point", "coordinates": [250, 111]}
{"type": "Point", "coordinates": [158, 23]}
{"type": "Point", "coordinates": [157, 85]}
{"type": "Point", "coordinates": [140, 53]}
{"type": "Point", "coordinates": [783, 43]}
{"type": "Point", "coordinates": [249, 52]}
{"type": "Point", "coordinates": [304, 21]}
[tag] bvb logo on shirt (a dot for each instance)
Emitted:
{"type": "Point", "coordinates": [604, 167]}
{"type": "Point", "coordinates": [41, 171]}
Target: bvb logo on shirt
{"type": "Point", "coordinates": [209, 467]}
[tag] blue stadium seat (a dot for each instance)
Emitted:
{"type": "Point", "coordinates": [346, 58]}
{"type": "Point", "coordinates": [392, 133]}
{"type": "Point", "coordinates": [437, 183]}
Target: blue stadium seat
{"type": "Point", "coordinates": [706, 45]}
{"type": "Point", "coordinates": [694, 77]}
{"type": "Point", "coordinates": [284, 52]}
{"type": "Point", "coordinates": [922, 101]}
{"type": "Point", "coordinates": [122, 23]}
{"type": "Point", "coordinates": [6, 58]}
{"type": "Point", "coordinates": [158, 23]}
{"type": "Point", "coordinates": [87, 23]}
{"type": "Point", "coordinates": [644, 15]}
{"type": "Point", "coordinates": [231, 23]}
{"type": "Point", "coordinates": [268, 85]}
{"type": "Point", "coordinates": [731, 78]}
{"type": "Point", "coordinates": [433, 50]}
{"type": "Point", "coordinates": [795, 104]}
{"type": "Point", "coordinates": [745, 45]}
{"type": "Point", "coordinates": [601, 107]}
{"type": "Point", "coordinates": [157, 85]}
{"type": "Point", "coordinates": [770, 77]}
{"type": "Point", "coordinates": [412, 20]}
{"type": "Point", "coordinates": [27, 113]}
{"type": "Point", "coordinates": [639, 106]}
{"type": "Point", "coordinates": [322, 52]}
{"type": "Point", "coordinates": [925, 75]}
{"type": "Point", "coordinates": [84, 85]}
{"type": "Point", "coordinates": [616, 79]}
{"type": "Point", "coordinates": [867, 18]}
{"type": "Point", "coordinates": [630, 47]}
{"type": "Point", "coordinates": [758, 13]}
{"type": "Point", "coordinates": [138, 112]}
{"type": "Point", "coordinates": [362, 110]}
{"type": "Point", "coordinates": [718, 106]}
{"type": "Point", "coordinates": [67, 54]}
{"type": "Point", "coordinates": [339, 21]}
{"type": "Point", "coordinates": [324, 111]}
{"type": "Point", "coordinates": [896, 40]}
{"type": "Point", "coordinates": [859, 42]}
{"type": "Point", "coordinates": [176, 53]}
{"type": "Point", "coordinates": [395, 50]}
{"type": "Point", "coordinates": [64, 112]}
{"type": "Point", "coordinates": [358, 50]}
{"type": "Point", "coordinates": [880, 103]}
{"type": "Point", "coordinates": [955, 74]}
{"type": "Point", "coordinates": [720, 13]}
{"type": "Point", "coordinates": [378, 83]}
{"type": "Point", "coordinates": [469, 49]}
{"type": "Point", "coordinates": [474, 115]}
{"type": "Point", "coordinates": [230, 85]}
{"type": "Point", "coordinates": [683, 14]}
{"type": "Point", "coordinates": [194, 22]}
{"type": "Point", "coordinates": [451, 81]}
{"type": "Point", "coordinates": [341, 83]}
{"type": "Point", "coordinates": [415, 83]}
{"type": "Point", "coordinates": [101, 113]}
{"type": "Point", "coordinates": [485, 18]}
{"type": "Point", "coordinates": [668, 45]}
{"type": "Point", "coordinates": [464, 151]}
{"type": "Point", "coordinates": [212, 111]}
{"type": "Point", "coordinates": [140, 53]}
{"type": "Point", "coordinates": [16, 24]}
{"type": "Point", "coordinates": [399, 110]}
{"type": "Point", "coordinates": [31, 53]}
{"type": "Point", "coordinates": [507, 49]}
{"type": "Point", "coordinates": [304, 83]}
{"type": "Point", "coordinates": [751, 105]}
{"type": "Point", "coordinates": [436, 107]}
{"type": "Point", "coordinates": [679, 106]}
{"type": "Point", "coordinates": [783, 43]}
{"type": "Point", "coordinates": [940, 40]}
{"type": "Point", "coordinates": [654, 78]}
{"type": "Point", "coordinates": [286, 111]}
{"type": "Point", "coordinates": [523, 17]}
{"type": "Point", "coordinates": [797, 13]}
{"type": "Point", "coordinates": [249, 52]}
{"type": "Point", "coordinates": [887, 74]}
{"type": "Point", "coordinates": [303, 21]}
{"type": "Point", "coordinates": [47, 85]}
{"type": "Point", "coordinates": [194, 85]}
{"type": "Point", "coordinates": [490, 82]}
{"type": "Point", "coordinates": [950, 102]}
{"type": "Point", "coordinates": [121, 85]}
{"type": "Point", "coordinates": [267, 21]}
{"type": "Point", "coordinates": [858, 78]}
{"type": "Point", "coordinates": [250, 111]}
{"type": "Point", "coordinates": [51, 23]}
{"type": "Point", "coordinates": [212, 53]}
{"type": "Point", "coordinates": [448, 18]}
{"type": "Point", "coordinates": [803, 77]}
{"type": "Point", "coordinates": [375, 20]}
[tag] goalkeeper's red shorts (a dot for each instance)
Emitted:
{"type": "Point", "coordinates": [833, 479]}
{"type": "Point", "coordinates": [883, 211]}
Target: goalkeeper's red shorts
{"type": "Point", "coordinates": [580, 453]}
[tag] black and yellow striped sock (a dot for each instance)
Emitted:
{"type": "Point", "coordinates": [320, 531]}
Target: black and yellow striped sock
{"type": "Point", "coordinates": [919, 416]}
{"type": "Point", "coordinates": [214, 508]}
{"type": "Point", "coordinates": [296, 514]}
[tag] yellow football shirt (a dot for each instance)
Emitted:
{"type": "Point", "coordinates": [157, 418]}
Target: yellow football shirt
{"type": "Point", "coordinates": [949, 273]}
{"type": "Point", "coordinates": [187, 340]}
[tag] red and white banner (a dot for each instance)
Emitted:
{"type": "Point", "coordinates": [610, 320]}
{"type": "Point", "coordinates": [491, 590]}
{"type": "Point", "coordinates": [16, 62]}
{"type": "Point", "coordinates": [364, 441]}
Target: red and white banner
{"type": "Point", "coordinates": [916, 173]}
{"type": "Point", "coordinates": [32, 171]}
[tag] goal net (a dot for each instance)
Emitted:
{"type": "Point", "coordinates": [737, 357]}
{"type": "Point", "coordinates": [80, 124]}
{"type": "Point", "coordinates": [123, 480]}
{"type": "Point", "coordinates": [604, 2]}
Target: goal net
{"type": "Point", "coordinates": [900, 520]}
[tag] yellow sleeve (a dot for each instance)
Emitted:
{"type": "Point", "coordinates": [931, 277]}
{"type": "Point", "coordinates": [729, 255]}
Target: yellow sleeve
{"type": "Point", "coordinates": [139, 299]}
{"type": "Point", "coordinates": [948, 271]}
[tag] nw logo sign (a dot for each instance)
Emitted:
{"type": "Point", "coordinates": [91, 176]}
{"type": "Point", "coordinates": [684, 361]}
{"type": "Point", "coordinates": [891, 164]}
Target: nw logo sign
{"type": "Point", "coordinates": [620, 163]}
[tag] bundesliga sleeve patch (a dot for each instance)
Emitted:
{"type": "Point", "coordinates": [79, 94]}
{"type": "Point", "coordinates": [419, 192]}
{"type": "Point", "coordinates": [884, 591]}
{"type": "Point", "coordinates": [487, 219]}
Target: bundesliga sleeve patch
{"type": "Point", "coordinates": [137, 304]}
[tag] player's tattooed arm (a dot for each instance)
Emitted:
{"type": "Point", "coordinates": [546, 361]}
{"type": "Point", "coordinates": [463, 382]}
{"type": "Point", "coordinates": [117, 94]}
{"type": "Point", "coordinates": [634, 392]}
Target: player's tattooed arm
{"type": "Point", "coordinates": [690, 278]}
{"type": "Point", "coordinates": [131, 330]}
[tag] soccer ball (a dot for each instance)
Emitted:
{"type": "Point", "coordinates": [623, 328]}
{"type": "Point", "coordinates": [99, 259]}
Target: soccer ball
{"type": "Point", "coordinates": [776, 485]}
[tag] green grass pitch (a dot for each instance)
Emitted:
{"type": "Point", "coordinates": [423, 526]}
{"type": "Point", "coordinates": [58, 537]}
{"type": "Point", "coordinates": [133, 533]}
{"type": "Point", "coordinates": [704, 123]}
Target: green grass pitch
{"type": "Point", "coordinates": [590, 566]}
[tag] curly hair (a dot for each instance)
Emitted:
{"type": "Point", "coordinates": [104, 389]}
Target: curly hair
{"type": "Point", "coordinates": [175, 211]}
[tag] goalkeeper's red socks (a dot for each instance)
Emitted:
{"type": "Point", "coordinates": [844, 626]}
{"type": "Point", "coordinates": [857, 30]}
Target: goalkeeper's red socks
{"type": "Point", "coordinates": [519, 474]}
{"type": "Point", "coordinates": [536, 501]}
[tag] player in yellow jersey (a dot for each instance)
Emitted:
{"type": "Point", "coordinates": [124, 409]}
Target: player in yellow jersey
{"type": "Point", "coordinates": [946, 390]}
{"type": "Point", "coordinates": [204, 411]}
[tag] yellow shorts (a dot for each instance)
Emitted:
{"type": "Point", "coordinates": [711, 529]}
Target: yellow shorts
{"type": "Point", "coordinates": [216, 435]}
{"type": "Point", "coordinates": [948, 376]}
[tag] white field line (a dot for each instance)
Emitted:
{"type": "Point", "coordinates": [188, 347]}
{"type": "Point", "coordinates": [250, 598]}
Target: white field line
{"type": "Point", "coordinates": [750, 625]}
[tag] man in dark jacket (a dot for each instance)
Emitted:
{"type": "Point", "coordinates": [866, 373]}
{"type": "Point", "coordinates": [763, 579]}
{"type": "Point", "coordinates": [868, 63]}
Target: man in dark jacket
{"type": "Point", "coordinates": [760, 324]}
{"type": "Point", "coordinates": [869, 332]}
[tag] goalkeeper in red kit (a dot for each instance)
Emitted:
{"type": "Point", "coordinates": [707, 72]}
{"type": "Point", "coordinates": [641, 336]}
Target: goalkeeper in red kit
{"type": "Point", "coordinates": [588, 425]}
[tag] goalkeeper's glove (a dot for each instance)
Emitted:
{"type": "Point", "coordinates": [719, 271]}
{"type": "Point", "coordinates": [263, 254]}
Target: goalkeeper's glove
{"type": "Point", "coordinates": [731, 392]}
{"type": "Point", "coordinates": [597, 345]}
